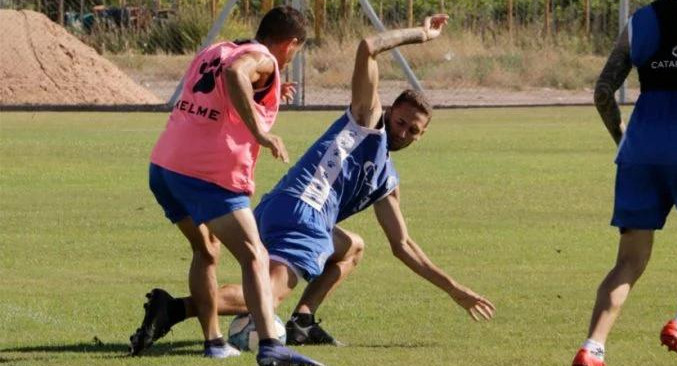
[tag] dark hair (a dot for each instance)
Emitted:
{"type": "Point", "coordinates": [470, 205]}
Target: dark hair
{"type": "Point", "coordinates": [415, 99]}
{"type": "Point", "coordinates": [282, 23]}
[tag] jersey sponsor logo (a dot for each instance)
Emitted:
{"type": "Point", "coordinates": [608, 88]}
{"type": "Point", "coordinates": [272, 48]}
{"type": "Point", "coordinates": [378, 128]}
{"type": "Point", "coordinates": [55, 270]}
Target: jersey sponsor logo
{"type": "Point", "coordinates": [664, 64]}
{"type": "Point", "coordinates": [197, 110]}
{"type": "Point", "coordinates": [210, 71]}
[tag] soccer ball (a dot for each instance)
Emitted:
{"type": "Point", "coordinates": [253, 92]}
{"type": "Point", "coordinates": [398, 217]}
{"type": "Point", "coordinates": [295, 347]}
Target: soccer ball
{"type": "Point", "coordinates": [242, 332]}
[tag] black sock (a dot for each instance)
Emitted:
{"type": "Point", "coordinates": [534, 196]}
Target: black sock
{"type": "Point", "coordinates": [303, 319]}
{"type": "Point", "coordinates": [176, 311]}
{"type": "Point", "coordinates": [270, 342]}
{"type": "Point", "coordinates": [216, 342]}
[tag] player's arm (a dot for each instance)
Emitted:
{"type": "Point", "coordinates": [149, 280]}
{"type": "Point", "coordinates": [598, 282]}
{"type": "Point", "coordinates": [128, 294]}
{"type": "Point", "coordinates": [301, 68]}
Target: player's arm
{"type": "Point", "coordinates": [405, 249]}
{"type": "Point", "coordinates": [365, 105]}
{"type": "Point", "coordinates": [613, 75]}
{"type": "Point", "coordinates": [239, 78]}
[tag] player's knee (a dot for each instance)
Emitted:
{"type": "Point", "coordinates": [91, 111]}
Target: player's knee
{"type": "Point", "coordinates": [356, 248]}
{"type": "Point", "coordinates": [635, 266]}
{"type": "Point", "coordinates": [277, 300]}
{"type": "Point", "coordinates": [254, 257]}
{"type": "Point", "coordinates": [207, 256]}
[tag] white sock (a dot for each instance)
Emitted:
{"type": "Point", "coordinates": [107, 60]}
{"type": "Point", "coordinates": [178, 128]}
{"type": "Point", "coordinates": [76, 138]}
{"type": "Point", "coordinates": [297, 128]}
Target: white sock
{"type": "Point", "coordinates": [595, 348]}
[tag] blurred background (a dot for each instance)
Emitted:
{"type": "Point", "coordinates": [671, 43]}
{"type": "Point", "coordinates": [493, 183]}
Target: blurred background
{"type": "Point", "coordinates": [494, 52]}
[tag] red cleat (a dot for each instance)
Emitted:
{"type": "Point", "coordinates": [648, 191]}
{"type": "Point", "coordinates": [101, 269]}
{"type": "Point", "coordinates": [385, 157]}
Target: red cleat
{"type": "Point", "coordinates": [669, 335]}
{"type": "Point", "coordinates": [585, 358]}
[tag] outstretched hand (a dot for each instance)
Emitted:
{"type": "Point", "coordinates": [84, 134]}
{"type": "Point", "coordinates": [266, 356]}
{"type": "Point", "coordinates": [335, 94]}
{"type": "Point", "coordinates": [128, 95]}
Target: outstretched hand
{"type": "Point", "coordinates": [477, 306]}
{"type": "Point", "coordinates": [432, 25]}
{"type": "Point", "coordinates": [276, 146]}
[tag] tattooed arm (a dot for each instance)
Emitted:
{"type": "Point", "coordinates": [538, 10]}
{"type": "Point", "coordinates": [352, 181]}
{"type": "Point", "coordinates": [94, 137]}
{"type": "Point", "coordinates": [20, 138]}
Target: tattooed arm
{"type": "Point", "coordinates": [615, 71]}
{"type": "Point", "coordinates": [365, 105]}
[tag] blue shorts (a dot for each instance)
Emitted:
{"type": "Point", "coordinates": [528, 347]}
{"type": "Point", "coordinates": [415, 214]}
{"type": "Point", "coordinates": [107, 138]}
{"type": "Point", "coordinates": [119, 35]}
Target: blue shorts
{"type": "Point", "coordinates": [181, 196]}
{"type": "Point", "coordinates": [295, 234]}
{"type": "Point", "coordinates": [645, 194]}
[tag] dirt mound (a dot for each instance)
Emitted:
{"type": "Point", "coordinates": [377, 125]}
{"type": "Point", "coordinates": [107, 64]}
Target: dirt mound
{"type": "Point", "coordinates": [41, 63]}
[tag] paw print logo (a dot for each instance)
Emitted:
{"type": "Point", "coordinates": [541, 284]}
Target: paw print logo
{"type": "Point", "coordinates": [210, 71]}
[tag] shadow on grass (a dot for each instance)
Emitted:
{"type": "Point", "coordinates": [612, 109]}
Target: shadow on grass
{"type": "Point", "coordinates": [115, 350]}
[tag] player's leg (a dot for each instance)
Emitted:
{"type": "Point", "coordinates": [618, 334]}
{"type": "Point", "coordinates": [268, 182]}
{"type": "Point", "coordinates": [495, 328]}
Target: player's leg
{"type": "Point", "coordinates": [238, 232]}
{"type": "Point", "coordinates": [202, 280]}
{"type": "Point", "coordinates": [642, 202]}
{"type": "Point", "coordinates": [161, 308]}
{"type": "Point", "coordinates": [634, 252]}
{"type": "Point", "coordinates": [230, 298]}
{"type": "Point", "coordinates": [302, 327]}
{"type": "Point", "coordinates": [669, 331]}
{"type": "Point", "coordinates": [203, 286]}
{"type": "Point", "coordinates": [348, 252]}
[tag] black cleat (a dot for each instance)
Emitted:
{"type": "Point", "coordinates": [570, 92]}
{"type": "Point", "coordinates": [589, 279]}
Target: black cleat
{"type": "Point", "coordinates": [310, 335]}
{"type": "Point", "coordinates": [155, 323]}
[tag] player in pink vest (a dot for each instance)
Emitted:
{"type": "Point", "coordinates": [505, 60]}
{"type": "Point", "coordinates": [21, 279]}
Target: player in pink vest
{"type": "Point", "coordinates": [201, 173]}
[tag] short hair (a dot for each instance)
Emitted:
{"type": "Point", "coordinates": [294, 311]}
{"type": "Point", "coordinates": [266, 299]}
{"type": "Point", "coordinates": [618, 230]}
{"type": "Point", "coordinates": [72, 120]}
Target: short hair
{"type": "Point", "coordinates": [415, 99]}
{"type": "Point", "coordinates": [282, 23]}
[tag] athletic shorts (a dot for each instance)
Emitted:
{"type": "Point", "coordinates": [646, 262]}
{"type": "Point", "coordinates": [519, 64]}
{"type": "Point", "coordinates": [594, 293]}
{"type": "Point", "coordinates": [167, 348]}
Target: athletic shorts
{"type": "Point", "coordinates": [295, 234]}
{"type": "Point", "coordinates": [181, 196]}
{"type": "Point", "coordinates": [645, 194]}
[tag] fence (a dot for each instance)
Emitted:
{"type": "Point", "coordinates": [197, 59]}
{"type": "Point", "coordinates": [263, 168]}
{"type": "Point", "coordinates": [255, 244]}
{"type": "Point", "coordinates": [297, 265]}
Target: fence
{"type": "Point", "coordinates": [496, 52]}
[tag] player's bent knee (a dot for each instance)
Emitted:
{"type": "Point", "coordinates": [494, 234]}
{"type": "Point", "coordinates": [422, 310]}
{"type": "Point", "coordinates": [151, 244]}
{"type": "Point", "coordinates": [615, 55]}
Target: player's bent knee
{"type": "Point", "coordinates": [207, 255]}
{"type": "Point", "coordinates": [356, 245]}
{"type": "Point", "coordinates": [254, 259]}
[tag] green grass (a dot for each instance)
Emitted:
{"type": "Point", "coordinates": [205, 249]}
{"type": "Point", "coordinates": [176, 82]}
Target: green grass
{"type": "Point", "coordinates": [514, 203]}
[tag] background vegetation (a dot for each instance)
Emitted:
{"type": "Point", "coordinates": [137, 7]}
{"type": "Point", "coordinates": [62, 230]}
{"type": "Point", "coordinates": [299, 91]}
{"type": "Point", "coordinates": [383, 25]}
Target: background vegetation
{"type": "Point", "coordinates": [547, 43]}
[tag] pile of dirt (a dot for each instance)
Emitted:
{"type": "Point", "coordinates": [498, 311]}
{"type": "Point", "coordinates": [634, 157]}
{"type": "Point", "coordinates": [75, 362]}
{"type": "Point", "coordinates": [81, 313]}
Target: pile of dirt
{"type": "Point", "coordinates": [41, 63]}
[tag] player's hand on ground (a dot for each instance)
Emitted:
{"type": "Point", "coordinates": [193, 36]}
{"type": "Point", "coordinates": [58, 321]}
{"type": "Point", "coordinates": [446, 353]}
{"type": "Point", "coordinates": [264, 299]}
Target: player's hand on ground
{"type": "Point", "coordinates": [432, 25]}
{"type": "Point", "coordinates": [287, 91]}
{"type": "Point", "coordinates": [276, 146]}
{"type": "Point", "coordinates": [477, 306]}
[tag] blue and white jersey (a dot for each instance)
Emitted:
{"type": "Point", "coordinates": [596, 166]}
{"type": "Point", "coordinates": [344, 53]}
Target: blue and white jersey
{"type": "Point", "coordinates": [651, 137]}
{"type": "Point", "coordinates": [345, 171]}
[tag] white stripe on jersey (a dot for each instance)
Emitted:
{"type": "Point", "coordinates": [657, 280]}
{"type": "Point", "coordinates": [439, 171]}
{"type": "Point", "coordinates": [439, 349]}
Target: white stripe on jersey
{"type": "Point", "coordinates": [329, 168]}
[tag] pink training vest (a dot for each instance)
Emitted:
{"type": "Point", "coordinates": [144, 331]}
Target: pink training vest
{"type": "Point", "coordinates": [205, 137]}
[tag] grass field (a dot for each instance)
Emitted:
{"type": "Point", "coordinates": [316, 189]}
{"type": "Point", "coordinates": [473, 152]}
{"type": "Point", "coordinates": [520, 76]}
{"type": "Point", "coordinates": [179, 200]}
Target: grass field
{"type": "Point", "coordinates": [514, 203]}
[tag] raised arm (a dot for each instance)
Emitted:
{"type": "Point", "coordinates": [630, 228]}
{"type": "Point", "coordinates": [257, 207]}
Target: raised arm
{"type": "Point", "coordinates": [365, 105]}
{"type": "Point", "coordinates": [615, 71]}
{"type": "Point", "coordinates": [239, 79]}
{"type": "Point", "coordinates": [405, 249]}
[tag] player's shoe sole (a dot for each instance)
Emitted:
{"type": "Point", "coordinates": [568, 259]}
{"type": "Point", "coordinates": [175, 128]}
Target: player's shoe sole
{"type": "Point", "coordinates": [585, 358]}
{"type": "Point", "coordinates": [669, 335]}
{"type": "Point", "coordinates": [155, 322]}
{"type": "Point", "coordinates": [279, 355]}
